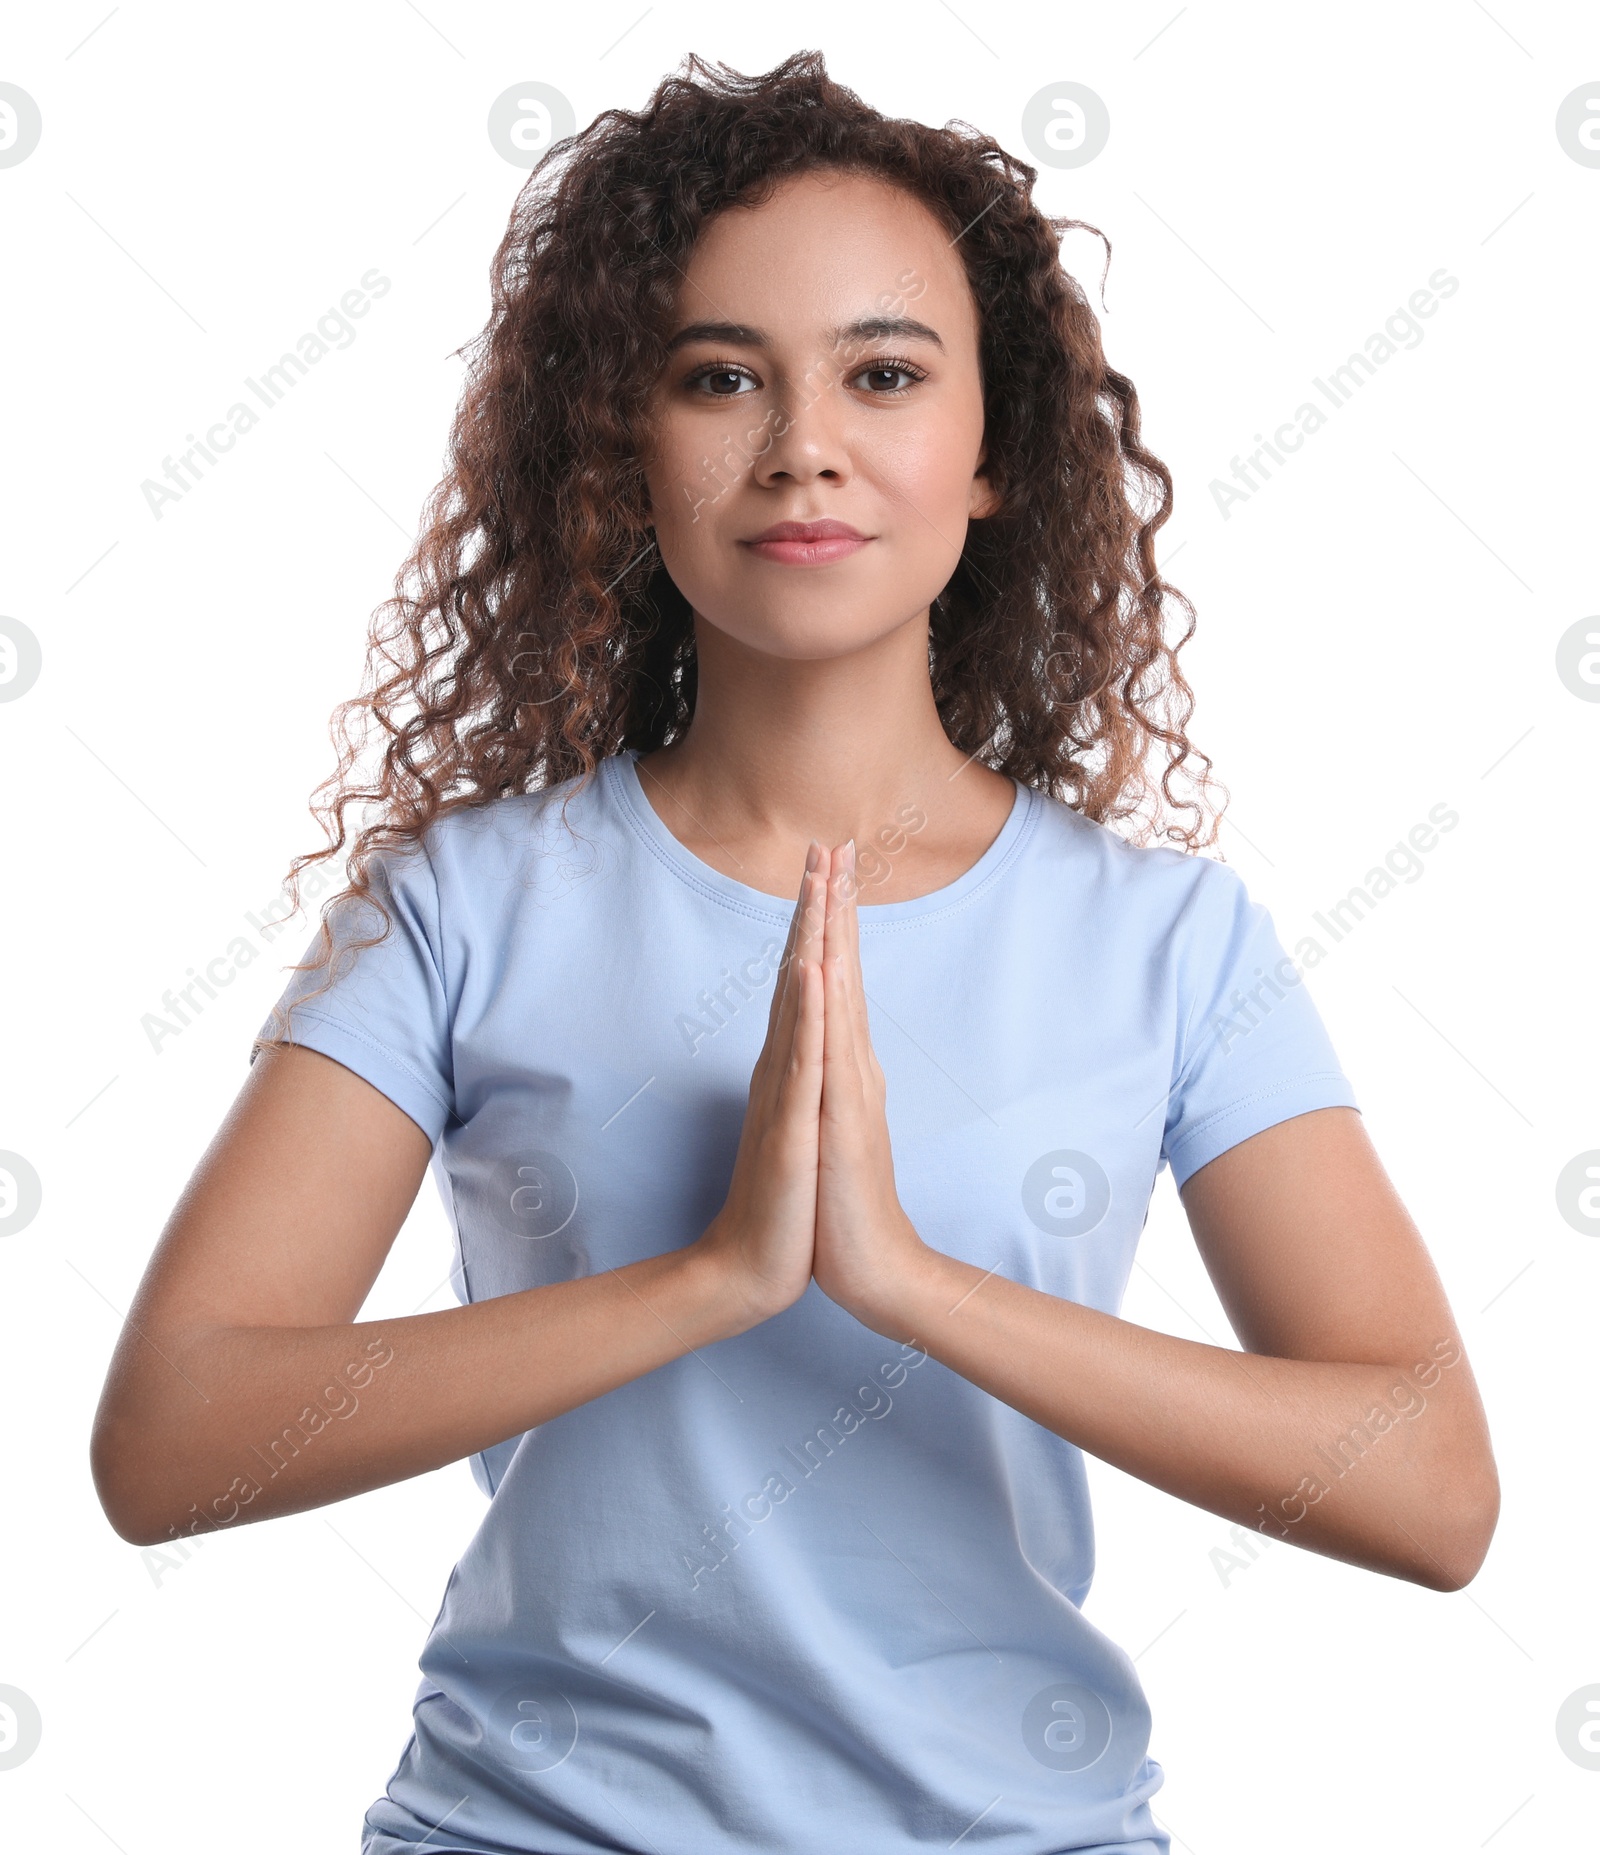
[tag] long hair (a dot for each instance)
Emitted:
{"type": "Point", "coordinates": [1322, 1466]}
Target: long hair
{"type": "Point", "coordinates": [534, 630]}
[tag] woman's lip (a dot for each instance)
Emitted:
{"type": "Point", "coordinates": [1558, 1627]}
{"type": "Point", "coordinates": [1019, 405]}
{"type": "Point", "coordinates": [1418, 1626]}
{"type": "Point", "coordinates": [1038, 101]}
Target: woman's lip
{"type": "Point", "coordinates": [808, 553]}
{"type": "Point", "coordinates": [826, 528]}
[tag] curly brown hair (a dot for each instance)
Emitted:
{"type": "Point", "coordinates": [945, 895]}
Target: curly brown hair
{"type": "Point", "coordinates": [534, 629]}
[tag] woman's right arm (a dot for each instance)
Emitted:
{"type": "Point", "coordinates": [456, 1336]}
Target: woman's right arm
{"type": "Point", "coordinates": [245, 1320]}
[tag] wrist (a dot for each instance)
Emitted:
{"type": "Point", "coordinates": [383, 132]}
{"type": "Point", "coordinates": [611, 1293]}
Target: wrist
{"type": "Point", "coordinates": [720, 1286]}
{"type": "Point", "coordinates": [916, 1295]}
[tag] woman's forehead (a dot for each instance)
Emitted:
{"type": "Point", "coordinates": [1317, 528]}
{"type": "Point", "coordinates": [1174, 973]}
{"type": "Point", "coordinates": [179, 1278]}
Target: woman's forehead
{"type": "Point", "coordinates": [825, 254]}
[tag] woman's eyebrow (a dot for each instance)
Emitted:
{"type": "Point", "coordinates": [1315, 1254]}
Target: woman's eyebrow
{"type": "Point", "coordinates": [865, 328]}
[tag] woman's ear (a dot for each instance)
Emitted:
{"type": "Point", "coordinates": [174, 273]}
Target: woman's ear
{"type": "Point", "coordinates": [983, 498]}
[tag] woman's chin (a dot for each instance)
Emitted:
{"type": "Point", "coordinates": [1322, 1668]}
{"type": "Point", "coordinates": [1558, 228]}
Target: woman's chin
{"type": "Point", "coordinates": [814, 628]}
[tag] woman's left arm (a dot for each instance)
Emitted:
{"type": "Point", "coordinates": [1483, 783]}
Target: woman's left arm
{"type": "Point", "coordinates": [1352, 1424]}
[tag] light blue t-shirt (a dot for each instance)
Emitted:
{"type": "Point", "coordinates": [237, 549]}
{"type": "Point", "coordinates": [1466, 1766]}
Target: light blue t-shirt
{"type": "Point", "coordinates": [805, 1590]}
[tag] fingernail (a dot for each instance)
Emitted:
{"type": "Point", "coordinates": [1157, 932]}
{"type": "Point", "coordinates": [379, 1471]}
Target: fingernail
{"type": "Point", "coordinates": [813, 855]}
{"type": "Point", "coordinates": [850, 846]}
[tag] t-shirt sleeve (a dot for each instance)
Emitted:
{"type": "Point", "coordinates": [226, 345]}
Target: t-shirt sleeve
{"type": "Point", "coordinates": [386, 1014]}
{"type": "Point", "coordinates": [1252, 1049]}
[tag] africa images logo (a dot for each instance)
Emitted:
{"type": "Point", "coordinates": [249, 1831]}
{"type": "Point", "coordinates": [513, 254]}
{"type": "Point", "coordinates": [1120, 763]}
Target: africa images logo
{"type": "Point", "coordinates": [1066, 1193]}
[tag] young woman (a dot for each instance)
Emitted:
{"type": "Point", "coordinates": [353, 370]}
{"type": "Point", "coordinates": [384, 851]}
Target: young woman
{"type": "Point", "coordinates": [740, 931]}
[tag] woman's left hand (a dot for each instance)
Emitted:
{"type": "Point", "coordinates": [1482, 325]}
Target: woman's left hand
{"type": "Point", "coordinates": [867, 1250]}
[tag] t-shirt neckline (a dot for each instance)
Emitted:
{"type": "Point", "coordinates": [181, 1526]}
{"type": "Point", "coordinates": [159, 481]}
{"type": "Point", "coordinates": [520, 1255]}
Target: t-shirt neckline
{"type": "Point", "coordinates": [623, 773]}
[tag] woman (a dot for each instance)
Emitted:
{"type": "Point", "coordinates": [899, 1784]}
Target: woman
{"type": "Point", "coordinates": [795, 1060]}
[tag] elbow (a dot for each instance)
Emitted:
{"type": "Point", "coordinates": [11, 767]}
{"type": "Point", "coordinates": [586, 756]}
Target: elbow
{"type": "Point", "coordinates": [107, 1470]}
{"type": "Point", "coordinates": [122, 1484]}
{"type": "Point", "coordinates": [146, 1491]}
{"type": "Point", "coordinates": [1463, 1530]}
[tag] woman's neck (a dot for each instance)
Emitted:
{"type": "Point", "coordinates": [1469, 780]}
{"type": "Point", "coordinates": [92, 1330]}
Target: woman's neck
{"type": "Point", "coordinates": [782, 750]}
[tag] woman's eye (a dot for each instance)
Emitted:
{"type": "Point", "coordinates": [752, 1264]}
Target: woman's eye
{"type": "Point", "coordinates": [886, 377]}
{"type": "Point", "coordinates": [719, 382]}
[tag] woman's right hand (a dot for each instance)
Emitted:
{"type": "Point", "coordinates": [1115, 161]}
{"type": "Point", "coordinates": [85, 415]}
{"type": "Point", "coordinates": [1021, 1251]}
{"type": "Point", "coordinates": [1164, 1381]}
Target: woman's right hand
{"type": "Point", "coordinates": [760, 1243]}
{"type": "Point", "coordinates": [247, 1309]}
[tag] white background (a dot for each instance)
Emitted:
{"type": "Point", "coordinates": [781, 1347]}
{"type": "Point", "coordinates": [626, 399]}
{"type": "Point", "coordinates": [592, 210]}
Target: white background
{"type": "Point", "coordinates": [1378, 635]}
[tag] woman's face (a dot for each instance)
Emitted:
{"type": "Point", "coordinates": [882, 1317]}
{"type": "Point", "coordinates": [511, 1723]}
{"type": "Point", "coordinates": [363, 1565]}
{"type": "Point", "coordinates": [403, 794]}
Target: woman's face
{"type": "Point", "coordinates": [823, 369]}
